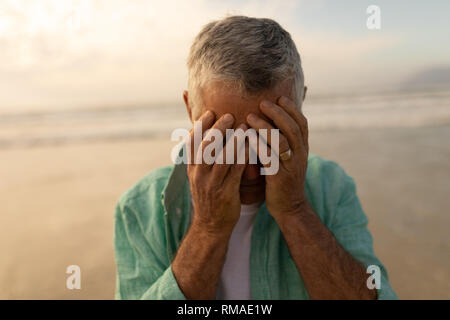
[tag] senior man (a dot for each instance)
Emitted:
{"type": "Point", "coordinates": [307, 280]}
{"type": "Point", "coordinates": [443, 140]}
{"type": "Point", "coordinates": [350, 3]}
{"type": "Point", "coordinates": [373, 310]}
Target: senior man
{"type": "Point", "coordinates": [205, 231]}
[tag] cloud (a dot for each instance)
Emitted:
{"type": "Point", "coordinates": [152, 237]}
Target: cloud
{"type": "Point", "coordinates": [56, 53]}
{"type": "Point", "coordinates": [335, 62]}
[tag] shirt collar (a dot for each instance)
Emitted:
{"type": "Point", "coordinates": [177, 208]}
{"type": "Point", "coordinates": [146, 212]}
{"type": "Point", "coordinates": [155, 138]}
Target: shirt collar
{"type": "Point", "coordinates": [176, 189]}
{"type": "Point", "coordinates": [176, 193]}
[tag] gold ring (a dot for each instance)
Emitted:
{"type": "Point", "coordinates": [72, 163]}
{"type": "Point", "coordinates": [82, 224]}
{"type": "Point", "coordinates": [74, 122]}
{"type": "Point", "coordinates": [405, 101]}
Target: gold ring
{"type": "Point", "coordinates": [285, 155]}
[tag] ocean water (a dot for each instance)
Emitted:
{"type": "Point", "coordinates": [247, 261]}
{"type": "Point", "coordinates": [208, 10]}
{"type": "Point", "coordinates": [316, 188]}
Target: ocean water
{"type": "Point", "coordinates": [387, 110]}
{"type": "Point", "coordinates": [382, 110]}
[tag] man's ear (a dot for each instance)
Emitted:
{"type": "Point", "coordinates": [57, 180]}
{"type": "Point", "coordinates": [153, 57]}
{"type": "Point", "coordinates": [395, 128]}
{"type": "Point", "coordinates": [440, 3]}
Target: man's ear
{"type": "Point", "coordinates": [304, 92]}
{"type": "Point", "coordinates": [186, 102]}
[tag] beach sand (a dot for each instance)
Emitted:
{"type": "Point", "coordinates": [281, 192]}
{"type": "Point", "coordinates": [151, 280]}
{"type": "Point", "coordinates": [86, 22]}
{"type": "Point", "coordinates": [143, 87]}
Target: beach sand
{"type": "Point", "coordinates": [58, 206]}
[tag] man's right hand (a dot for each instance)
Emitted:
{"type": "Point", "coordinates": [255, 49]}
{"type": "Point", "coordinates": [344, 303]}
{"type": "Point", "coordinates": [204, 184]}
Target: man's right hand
{"type": "Point", "coordinates": [215, 196]}
{"type": "Point", "coordinates": [215, 187]}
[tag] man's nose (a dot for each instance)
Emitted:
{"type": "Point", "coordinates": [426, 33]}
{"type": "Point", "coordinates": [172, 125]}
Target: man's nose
{"type": "Point", "coordinates": [251, 171]}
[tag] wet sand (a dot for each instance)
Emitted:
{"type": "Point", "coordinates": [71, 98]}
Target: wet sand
{"type": "Point", "coordinates": [58, 205]}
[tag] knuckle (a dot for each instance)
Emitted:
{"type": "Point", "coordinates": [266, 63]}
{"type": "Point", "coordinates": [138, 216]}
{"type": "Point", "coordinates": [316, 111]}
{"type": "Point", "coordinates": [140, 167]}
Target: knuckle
{"type": "Point", "coordinates": [294, 128]}
{"type": "Point", "coordinates": [303, 121]}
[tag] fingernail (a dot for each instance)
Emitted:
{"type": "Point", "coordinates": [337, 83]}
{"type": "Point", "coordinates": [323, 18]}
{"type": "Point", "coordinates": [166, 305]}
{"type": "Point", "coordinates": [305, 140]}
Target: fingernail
{"type": "Point", "coordinates": [243, 126]}
{"type": "Point", "coordinates": [228, 117]}
{"type": "Point", "coordinates": [208, 114]}
{"type": "Point", "coordinates": [251, 117]}
{"type": "Point", "coordinates": [266, 104]}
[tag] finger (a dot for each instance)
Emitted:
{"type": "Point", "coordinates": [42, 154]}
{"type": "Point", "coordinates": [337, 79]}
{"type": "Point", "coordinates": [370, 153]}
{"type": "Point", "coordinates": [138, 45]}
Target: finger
{"type": "Point", "coordinates": [291, 108]}
{"type": "Point", "coordinates": [258, 123]}
{"type": "Point", "coordinates": [234, 177]}
{"type": "Point", "coordinates": [284, 122]}
{"type": "Point", "coordinates": [206, 121]}
{"type": "Point", "coordinates": [218, 131]}
{"type": "Point", "coordinates": [221, 170]}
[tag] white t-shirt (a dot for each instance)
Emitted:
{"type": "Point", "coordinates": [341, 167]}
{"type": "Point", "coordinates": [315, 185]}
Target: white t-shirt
{"type": "Point", "coordinates": [234, 282]}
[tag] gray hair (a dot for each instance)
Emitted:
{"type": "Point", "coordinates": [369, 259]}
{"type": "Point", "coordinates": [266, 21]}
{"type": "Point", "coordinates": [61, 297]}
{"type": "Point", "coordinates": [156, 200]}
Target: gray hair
{"type": "Point", "coordinates": [249, 54]}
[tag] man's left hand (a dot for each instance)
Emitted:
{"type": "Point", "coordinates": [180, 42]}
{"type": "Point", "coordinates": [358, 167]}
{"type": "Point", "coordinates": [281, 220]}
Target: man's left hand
{"type": "Point", "coordinates": [285, 189]}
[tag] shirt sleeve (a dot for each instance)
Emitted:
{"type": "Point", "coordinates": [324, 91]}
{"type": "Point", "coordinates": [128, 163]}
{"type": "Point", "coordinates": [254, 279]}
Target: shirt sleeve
{"type": "Point", "coordinates": [349, 227]}
{"type": "Point", "coordinates": [143, 271]}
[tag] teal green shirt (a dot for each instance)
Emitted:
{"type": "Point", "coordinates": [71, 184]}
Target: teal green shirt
{"type": "Point", "coordinates": [153, 216]}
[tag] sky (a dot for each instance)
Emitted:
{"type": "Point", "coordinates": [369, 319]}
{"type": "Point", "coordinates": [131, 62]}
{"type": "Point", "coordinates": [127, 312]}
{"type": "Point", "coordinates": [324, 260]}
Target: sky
{"type": "Point", "coordinates": [100, 53]}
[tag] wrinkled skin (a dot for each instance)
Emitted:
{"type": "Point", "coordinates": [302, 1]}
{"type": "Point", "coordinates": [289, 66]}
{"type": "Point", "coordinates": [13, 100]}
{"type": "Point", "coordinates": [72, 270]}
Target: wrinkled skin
{"type": "Point", "coordinates": [283, 191]}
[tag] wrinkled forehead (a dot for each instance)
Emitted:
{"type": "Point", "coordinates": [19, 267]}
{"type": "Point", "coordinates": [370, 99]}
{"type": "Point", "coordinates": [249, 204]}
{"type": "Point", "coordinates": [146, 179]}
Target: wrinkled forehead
{"type": "Point", "coordinates": [222, 99]}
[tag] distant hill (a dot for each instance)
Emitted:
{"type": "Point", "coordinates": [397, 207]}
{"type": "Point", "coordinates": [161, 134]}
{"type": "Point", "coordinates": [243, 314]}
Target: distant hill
{"type": "Point", "coordinates": [436, 77]}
